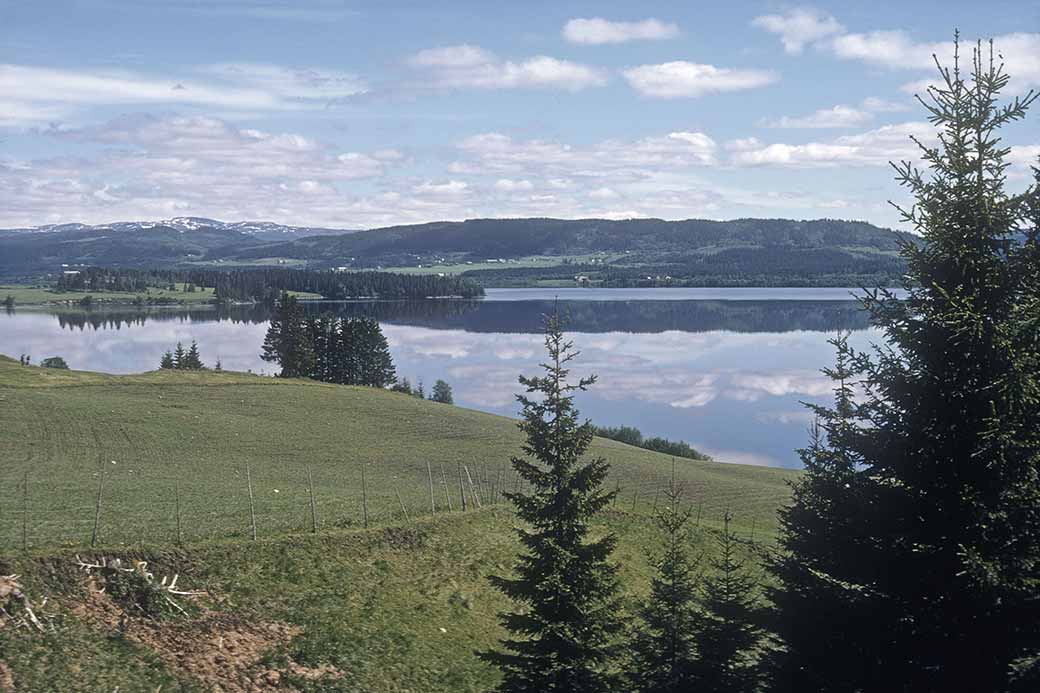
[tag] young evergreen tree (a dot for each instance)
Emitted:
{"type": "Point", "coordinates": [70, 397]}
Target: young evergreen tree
{"type": "Point", "coordinates": [178, 357]}
{"type": "Point", "coordinates": [287, 342]}
{"type": "Point", "coordinates": [376, 364]}
{"type": "Point", "coordinates": [664, 651]}
{"type": "Point", "coordinates": [420, 390]}
{"type": "Point", "coordinates": [564, 629]}
{"type": "Point", "coordinates": [192, 360]}
{"type": "Point", "coordinates": [727, 634]}
{"type": "Point", "coordinates": [944, 507]}
{"type": "Point", "coordinates": [442, 393]}
{"type": "Point", "coordinates": [167, 361]}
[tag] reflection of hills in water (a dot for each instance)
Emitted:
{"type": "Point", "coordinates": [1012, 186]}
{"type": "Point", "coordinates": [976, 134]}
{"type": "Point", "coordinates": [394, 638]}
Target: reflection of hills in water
{"type": "Point", "coordinates": [526, 316]}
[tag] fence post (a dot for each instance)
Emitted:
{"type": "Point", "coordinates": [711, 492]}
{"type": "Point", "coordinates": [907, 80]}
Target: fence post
{"type": "Point", "coordinates": [635, 499]}
{"type": "Point", "coordinates": [252, 506]}
{"type": "Point", "coordinates": [429, 473]}
{"type": "Point", "coordinates": [97, 504]}
{"type": "Point", "coordinates": [447, 494]}
{"type": "Point", "coordinates": [403, 511]}
{"type": "Point", "coordinates": [314, 511]}
{"type": "Point", "coordinates": [462, 489]}
{"type": "Point", "coordinates": [472, 491]}
{"type": "Point", "coordinates": [177, 507]}
{"type": "Point", "coordinates": [364, 496]}
{"type": "Point", "coordinates": [25, 513]}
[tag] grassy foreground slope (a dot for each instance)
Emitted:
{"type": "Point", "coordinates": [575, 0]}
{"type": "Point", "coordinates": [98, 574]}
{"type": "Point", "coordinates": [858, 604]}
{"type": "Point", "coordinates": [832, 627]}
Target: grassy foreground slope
{"type": "Point", "coordinates": [400, 606]}
{"type": "Point", "coordinates": [162, 434]}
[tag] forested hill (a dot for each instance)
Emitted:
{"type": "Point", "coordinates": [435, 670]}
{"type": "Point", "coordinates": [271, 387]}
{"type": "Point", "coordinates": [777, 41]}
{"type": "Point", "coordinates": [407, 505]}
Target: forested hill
{"type": "Point", "coordinates": [502, 252]}
{"type": "Point", "coordinates": [506, 238]}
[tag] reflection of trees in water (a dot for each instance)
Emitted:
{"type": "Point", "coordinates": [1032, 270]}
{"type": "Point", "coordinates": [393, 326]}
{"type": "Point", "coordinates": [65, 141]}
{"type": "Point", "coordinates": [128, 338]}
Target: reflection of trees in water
{"type": "Point", "coordinates": [116, 317]}
{"type": "Point", "coordinates": [625, 316]}
{"type": "Point", "coordinates": [525, 316]}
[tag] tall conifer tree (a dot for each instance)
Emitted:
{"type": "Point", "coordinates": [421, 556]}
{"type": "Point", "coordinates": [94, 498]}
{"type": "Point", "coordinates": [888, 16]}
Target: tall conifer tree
{"type": "Point", "coordinates": [287, 341]}
{"type": "Point", "coordinates": [562, 636]}
{"type": "Point", "coordinates": [944, 592]}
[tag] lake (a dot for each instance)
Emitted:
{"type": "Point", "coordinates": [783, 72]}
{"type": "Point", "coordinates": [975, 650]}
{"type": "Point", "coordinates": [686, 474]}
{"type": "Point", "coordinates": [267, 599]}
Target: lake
{"type": "Point", "coordinates": [723, 369]}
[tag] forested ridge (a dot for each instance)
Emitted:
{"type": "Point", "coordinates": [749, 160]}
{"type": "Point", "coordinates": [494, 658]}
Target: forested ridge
{"type": "Point", "coordinates": [265, 285]}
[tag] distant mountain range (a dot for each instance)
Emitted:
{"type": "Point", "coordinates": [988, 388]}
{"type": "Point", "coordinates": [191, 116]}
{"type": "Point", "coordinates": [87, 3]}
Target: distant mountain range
{"type": "Point", "coordinates": [628, 252]}
{"type": "Point", "coordinates": [264, 230]}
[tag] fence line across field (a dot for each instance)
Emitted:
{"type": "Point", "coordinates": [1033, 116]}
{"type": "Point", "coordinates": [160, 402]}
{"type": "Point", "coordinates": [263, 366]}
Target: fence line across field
{"type": "Point", "coordinates": [478, 488]}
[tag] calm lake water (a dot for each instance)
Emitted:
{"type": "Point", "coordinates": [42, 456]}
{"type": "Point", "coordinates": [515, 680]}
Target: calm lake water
{"type": "Point", "coordinates": [724, 369]}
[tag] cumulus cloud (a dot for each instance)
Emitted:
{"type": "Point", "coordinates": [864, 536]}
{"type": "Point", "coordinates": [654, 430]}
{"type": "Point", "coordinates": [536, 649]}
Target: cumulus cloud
{"type": "Point", "coordinates": [799, 27]}
{"type": "Point", "coordinates": [835, 117]}
{"type": "Point", "coordinates": [684, 79]}
{"type": "Point", "coordinates": [871, 148]}
{"type": "Point", "coordinates": [466, 66]}
{"type": "Point", "coordinates": [596, 30]}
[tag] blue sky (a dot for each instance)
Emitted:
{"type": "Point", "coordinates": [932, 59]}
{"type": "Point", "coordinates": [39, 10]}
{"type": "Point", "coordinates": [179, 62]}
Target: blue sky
{"type": "Point", "coordinates": [355, 115]}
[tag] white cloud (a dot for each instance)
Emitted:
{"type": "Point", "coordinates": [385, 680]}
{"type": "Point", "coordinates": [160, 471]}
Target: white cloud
{"type": "Point", "coordinates": [876, 105]}
{"type": "Point", "coordinates": [39, 94]}
{"type": "Point", "coordinates": [835, 117]}
{"type": "Point", "coordinates": [684, 79]}
{"type": "Point", "coordinates": [496, 152]}
{"type": "Point", "coordinates": [871, 148]}
{"type": "Point", "coordinates": [509, 185]}
{"type": "Point", "coordinates": [471, 66]}
{"type": "Point", "coordinates": [1020, 52]}
{"type": "Point", "coordinates": [451, 187]}
{"type": "Point", "coordinates": [799, 27]}
{"type": "Point", "coordinates": [596, 31]}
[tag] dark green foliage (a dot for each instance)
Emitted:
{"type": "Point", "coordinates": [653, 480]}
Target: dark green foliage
{"type": "Point", "coordinates": [562, 636]}
{"type": "Point", "coordinates": [167, 361]}
{"type": "Point", "coordinates": [404, 386]}
{"type": "Point", "coordinates": [935, 570]}
{"type": "Point", "coordinates": [287, 342]}
{"type": "Point", "coordinates": [664, 650]}
{"type": "Point", "coordinates": [54, 362]}
{"type": "Point", "coordinates": [266, 285]}
{"type": "Point", "coordinates": [727, 636]}
{"type": "Point", "coordinates": [178, 356]}
{"type": "Point", "coordinates": [350, 351]}
{"type": "Point", "coordinates": [9, 301]}
{"type": "Point", "coordinates": [633, 436]}
{"type": "Point", "coordinates": [192, 361]}
{"type": "Point", "coordinates": [442, 393]}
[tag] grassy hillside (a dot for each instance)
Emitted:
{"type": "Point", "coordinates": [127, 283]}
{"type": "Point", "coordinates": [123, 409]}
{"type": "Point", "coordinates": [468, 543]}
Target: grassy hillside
{"type": "Point", "coordinates": [400, 606]}
{"type": "Point", "coordinates": [161, 435]}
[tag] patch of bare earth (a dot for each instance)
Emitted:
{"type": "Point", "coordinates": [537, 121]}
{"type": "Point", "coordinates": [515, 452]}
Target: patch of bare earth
{"type": "Point", "coordinates": [6, 679]}
{"type": "Point", "coordinates": [222, 651]}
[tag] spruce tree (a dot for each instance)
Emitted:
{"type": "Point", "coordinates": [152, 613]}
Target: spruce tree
{"type": "Point", "coordinates": [192, 359]}
{"type": "Point", "coordinates": [664, 652]}
{"type": "Point", "coordinates": [376, 364]}
{"type": "Point", "coordinates": [442, 393]}
{"type": "Point", "coordinates": [287, 342]}
{"type": "Point", "coordinates": [727, 634]}
{"type": "Point", "coordinates": [179, 356]}
{"type": "Point", "coordinates": [562, 635]}
{"type": "Point", "coordinates": [167, 360]}
{"type": "Point", "coordinates": [943, 593]}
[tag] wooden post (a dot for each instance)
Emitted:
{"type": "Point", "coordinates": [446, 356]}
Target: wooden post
{"type": "Point", "coordinates": [252, 505]}
{"type": "Point", "coordinates": [635, 499]}
{"type": "Point", "coordinates": [25, 513]}
{"type": "Point", "coordinates": [364, 496]}
{"type": "Point", "coordinates": [699, 506]}
{"type": "Point", "coordinates": [496, 490]}
{"type": "Point", "coordinates": [447, 495]}
{"type": "Point", "coordinates": [97, 504]}
{"type": "Point", "coordinates": [617, 492]}
{"type": "Point", "coordinates": [403, 511]}
{"type": "Point", "coordinates": [314, 510]}
{"type": "Point", "coordinates": [429, 473]}
{"type": "Point", "coordinates": [472, 491]}
{"type": "Point", "coordinates": [177, 507]}
{"type": "Point", "coordinates": [462, 489]}
{"type": "Point", "coordinates": [752, 530]}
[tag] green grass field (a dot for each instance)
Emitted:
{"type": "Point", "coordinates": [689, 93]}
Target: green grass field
{"type": "Point", "coordinates": [399, 606]}
{"type": "Point", "coordinates": [36, 296]}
